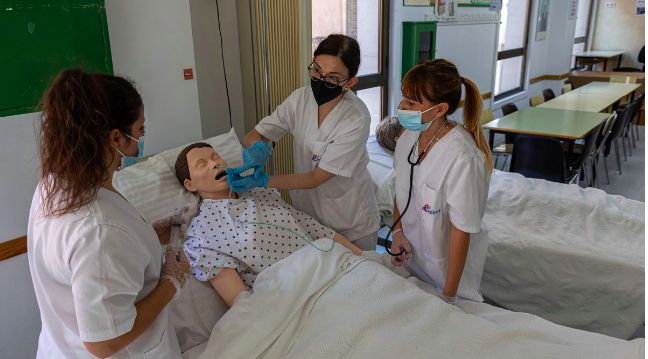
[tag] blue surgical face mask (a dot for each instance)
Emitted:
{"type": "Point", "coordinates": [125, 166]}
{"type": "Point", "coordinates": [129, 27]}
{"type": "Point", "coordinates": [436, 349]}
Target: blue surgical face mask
{"type": "Point", "coordinates": [412, 120]}
{"type": "Point", "coordinates": [131, 160]}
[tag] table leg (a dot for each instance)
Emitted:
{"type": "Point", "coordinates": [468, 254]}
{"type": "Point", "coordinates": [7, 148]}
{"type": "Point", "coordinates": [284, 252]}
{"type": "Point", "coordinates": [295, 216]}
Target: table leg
{"type": "Point", "coordinates": [570, 151]}
{"type": "Point", "coordinates": [619, 62]}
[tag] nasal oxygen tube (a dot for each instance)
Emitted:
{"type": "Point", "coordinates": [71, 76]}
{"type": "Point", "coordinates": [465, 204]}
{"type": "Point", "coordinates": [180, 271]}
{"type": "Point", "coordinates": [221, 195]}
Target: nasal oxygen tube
{"type": "Point", "coordinates": [300, 236]}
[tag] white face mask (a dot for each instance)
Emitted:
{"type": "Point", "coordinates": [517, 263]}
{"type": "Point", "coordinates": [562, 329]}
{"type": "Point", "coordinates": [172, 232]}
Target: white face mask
{"type": "Point", "coordinates": [131, 160]}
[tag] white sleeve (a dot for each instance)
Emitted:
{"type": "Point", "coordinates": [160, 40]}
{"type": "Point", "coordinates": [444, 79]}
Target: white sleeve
{"type": "Point", "coordinates": [281, 121]}
{"type": "Point", "coordinates": [108, 267]}
{"type": "Point", "coordinates": [466, 192]}
{"type": "Point", "coordinates": [346, 152]}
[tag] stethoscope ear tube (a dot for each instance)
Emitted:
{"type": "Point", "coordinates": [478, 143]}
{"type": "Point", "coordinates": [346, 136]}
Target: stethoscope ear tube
{"type": "Point", "coordinates": [409, 198]}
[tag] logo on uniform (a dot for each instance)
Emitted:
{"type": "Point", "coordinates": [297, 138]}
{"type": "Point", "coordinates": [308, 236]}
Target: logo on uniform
{"type": "Point", "coordinates": [316, 158]}
{"type": "Point", "coordinates": [428, 209]}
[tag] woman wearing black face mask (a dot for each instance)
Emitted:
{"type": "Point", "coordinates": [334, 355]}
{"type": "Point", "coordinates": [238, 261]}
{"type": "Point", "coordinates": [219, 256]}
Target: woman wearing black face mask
{"type": "Point", "coordinates": [330, 125]}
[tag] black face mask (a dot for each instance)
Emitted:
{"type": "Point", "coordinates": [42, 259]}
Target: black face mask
{"type": "Point", "coordinates": [322, 93]}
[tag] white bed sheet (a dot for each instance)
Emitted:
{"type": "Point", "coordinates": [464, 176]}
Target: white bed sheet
{"type": "Point", "coordinates": [573, 256]}
{"type": "Point", "coordinates": [314, 305]}
{"type": "Point", "coordinates": [381, 169]}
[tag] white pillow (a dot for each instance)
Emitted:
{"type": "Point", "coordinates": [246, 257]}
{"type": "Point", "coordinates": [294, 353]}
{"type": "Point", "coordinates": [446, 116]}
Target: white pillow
{"type": "Point", "coordinates": [152, 187]}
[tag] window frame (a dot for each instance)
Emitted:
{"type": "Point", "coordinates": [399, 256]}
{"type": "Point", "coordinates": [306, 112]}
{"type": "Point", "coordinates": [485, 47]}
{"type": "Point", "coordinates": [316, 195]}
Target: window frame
{"type": "Point", "coordinates": [517, 52]}
{"type": "Point", "coordinates": [583, 39]}
{"type": "Point", "coordinates": [380, 79]}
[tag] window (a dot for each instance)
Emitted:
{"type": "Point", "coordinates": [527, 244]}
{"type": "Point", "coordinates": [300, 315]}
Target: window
{"type": "Point", "coordinates": [511, 48]}
{"type": "Point", "coordinates": [582, 28]}
{"type": "Point", "coordinates": [366, 21]}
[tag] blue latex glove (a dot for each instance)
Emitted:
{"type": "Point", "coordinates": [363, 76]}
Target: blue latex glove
{"type": "Point", "coordinates": [240, 184]}
{"type": "Point", "coordinates": [256, 155]}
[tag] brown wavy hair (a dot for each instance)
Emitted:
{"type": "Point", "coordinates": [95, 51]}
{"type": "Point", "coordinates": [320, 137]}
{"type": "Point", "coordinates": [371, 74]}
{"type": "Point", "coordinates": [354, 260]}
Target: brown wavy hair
{"type": "Point", "coordinates": [439, 81]}
{"type": "Point", "coordinates": [79, 111]}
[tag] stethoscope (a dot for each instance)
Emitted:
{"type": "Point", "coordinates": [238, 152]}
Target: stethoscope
{"type": "Point", "coordinates": [411, 181]}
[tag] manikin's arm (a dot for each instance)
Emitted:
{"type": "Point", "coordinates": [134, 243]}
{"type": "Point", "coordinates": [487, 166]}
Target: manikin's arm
{"type": "Point", "coordinates": [228, 284]}
{"type": "Point", "coordinates": [345, 242]}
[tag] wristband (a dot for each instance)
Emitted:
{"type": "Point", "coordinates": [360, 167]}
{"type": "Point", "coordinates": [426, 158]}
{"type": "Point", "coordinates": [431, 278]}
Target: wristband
{"type": "Point", "coordinates": [175, 284]}
{"type": "Point", "coordinates": [397, 230]}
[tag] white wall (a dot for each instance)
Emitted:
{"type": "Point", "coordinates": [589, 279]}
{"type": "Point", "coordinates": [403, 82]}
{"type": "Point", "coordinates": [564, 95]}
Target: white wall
{"type": "Point", "coordinates": [470, 47]}
{"type": "Point", "coordinates": [209, 56]}
{"type": "Point", "coordinates": [618, 28]}
{"type": "Point", "coordinates": [20, 321]}
{"type": "Point", "coordinates": [151, 42]}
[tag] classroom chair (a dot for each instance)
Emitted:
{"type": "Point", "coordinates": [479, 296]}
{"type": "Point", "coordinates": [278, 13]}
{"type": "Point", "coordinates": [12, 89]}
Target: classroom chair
{"type": "Point", "coordinates": [538, 157]}
{"type": "Point", "coordinates": [548, 94]}
{"type": "Point", "coordinates": [566, 88]}
{"type": "Point", "coordinates": [536, 100]}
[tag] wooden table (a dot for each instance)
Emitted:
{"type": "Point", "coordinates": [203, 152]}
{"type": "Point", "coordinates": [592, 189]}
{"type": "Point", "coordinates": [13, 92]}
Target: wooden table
{"type": "Point", "coordinates": [594, 97]}
{"type": "Point", "coordinates": [565, 125]}
{"type": "Point", "coordinates": [598, 56]}
{"type": "Point", "coordinates": [582, 78]}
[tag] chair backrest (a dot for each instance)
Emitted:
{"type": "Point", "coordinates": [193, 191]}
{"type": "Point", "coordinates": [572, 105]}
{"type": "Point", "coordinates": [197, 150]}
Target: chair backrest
{"type": "Point", "coordinates": [548, 94]}
{"type": "Point", "coordinates": [621, 79]}
{"type": "Point", "coordinates": [566, 88]}
{"type": "Point", "coordinates": [538, 157]}
{"type": "Point", "coordinates": [617, 127]}
{"type": "Point", "coordinates": [641, 57]}
{"type": "Point", "coordinates": [509, 108]}
{"type": "Point", "coordinates": [605, 132]}
{"type": "Point", "coordinates": [486, 116]}
{"type": "Point", "coordinates": [536, 100]}
{"type": "Point", "coordinates": [590, 141]}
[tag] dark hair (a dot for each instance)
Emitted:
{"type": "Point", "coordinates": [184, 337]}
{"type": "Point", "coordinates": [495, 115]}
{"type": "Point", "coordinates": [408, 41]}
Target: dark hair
{"type": "Point", "coordinates": [181, 165]}
{"type": "Point", "coordinates": [387, 131]}
{"type": "Point", "coordinates": [439, 81]}
{"type": "Point", "coordinates": [344, 47]}
{"type": "Point", "coordinates": [79, 111]}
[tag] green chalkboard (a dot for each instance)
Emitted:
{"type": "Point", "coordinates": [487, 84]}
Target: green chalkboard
{"type": "Point", "coordinates": [40, 38]}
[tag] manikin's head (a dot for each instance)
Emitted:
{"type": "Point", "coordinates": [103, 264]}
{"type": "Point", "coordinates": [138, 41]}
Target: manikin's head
{"type": "Point", "coordinates": [201, 170]}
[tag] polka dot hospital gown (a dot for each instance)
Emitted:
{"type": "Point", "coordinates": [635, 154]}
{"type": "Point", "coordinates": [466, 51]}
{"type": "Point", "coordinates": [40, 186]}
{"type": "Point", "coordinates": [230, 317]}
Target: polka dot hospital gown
{"type": "Point", "coordinates": [215, 240]}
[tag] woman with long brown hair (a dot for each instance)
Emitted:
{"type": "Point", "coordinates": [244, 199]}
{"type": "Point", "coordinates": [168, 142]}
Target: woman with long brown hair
{"type": "Point", "coordinates": [96, 264]}
{"type": "Point", "coordinates": [443, 168]}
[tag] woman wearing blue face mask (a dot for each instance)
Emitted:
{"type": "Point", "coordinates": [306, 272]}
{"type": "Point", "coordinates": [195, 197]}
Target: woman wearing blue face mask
{"type": "Point", "coordinates": [330, 128]}
{"type": "Point", "coordinates": [96, 264]}
{"type": "Point", "coordinates": [442, 174]}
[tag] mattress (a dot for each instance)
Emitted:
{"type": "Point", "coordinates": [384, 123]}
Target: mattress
{"type": "Point", "coordinates": [573, 256]}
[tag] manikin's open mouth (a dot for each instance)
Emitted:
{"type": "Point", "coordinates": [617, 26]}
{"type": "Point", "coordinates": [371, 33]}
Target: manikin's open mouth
{"type": "Point", "coordinates": [220, 175]}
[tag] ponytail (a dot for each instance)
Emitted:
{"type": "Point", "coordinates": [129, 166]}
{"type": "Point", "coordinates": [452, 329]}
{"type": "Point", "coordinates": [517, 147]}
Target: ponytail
{"type": "Point", "coordinates": [78, 112]}
{"type": "Point", "coordinates": [471, 116]}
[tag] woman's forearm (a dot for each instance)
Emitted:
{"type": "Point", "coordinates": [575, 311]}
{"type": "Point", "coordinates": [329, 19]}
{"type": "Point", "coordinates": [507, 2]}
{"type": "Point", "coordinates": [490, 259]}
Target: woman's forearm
{"type": "Point", "coordinates": [252, 137]}
{"type": "Point", "coordinates": [457, 253]}
{"type": "Point", "coordinates": [147, 309]}
{"type": "Point", "coordinates": [305, 180]}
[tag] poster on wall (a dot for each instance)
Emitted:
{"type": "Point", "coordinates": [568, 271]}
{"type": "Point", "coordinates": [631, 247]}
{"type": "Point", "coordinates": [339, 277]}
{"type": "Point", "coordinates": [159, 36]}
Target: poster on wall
{"type": "Point", "coordinates": [641, 7]}
{"type": "Point", "coordinates": [543, 20]}
{"type": "Point", "coordinates": [573, 9]}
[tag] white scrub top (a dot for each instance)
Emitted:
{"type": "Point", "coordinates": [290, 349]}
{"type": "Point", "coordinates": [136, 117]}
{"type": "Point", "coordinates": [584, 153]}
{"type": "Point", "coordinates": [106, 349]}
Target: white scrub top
{"type": "Point", "coordinates": [450, 185]}
{"type": "Point", "coordinates": [346, 202]}
{"type": "Point", "coordinates": [89, 268]}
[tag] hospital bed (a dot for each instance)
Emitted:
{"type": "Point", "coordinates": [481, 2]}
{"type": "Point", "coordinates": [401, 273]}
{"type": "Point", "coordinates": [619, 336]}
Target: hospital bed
{"type": "Point", "coordinates": [333, 304]}
{"type": "Point", "coordinates": [571, 255]}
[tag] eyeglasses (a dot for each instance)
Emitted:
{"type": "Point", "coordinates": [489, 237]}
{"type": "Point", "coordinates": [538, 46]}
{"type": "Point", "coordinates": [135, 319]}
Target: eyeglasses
{"type": "Point", "coordinates": [330, 81]}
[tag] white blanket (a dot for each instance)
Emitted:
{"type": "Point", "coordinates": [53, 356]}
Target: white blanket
{"type": "Point", "coordinates": [336, 305]}
{"type": "Point", "coordinates": [571, 255]}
